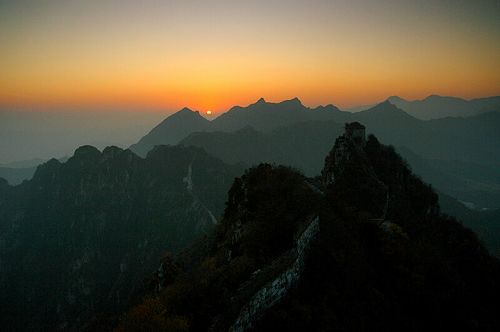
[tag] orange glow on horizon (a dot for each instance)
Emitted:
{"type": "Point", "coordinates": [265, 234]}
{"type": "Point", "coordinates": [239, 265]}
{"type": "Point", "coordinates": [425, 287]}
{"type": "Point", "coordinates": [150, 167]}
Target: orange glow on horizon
{"type": "Point", "coordinates": [214, 56]}
{"type": "Point", "coordinates": [342, 96]}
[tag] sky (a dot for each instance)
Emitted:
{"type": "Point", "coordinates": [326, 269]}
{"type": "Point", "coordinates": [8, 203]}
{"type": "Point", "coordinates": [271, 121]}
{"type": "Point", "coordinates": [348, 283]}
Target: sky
{"type": "Point", "coordinates": [210, 55]}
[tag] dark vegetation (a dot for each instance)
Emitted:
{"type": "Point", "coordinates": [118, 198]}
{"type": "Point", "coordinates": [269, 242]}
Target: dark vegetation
{"type": "Point", "coordinates": [80, 237]}
{"type": "Point", "coordinates": [423, 271]}
{"type": "Point", "coordinates": [484, 223]}
{"type": "Point", "coordinates": [413, 270]}
{"type": "Point", "coordinates": [267, 206]}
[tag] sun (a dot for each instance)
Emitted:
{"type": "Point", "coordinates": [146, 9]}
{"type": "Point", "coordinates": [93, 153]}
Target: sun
{"type": "Point", "coordinates": [209, 112]}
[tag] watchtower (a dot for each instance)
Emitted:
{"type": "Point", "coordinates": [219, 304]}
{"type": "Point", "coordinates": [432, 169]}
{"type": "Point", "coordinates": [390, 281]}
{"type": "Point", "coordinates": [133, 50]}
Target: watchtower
{"type": "Point", "coordinates": [356, 132]}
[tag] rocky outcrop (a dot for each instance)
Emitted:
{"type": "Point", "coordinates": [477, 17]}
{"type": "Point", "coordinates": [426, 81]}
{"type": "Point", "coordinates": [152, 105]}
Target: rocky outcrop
{"type": "Point", "coordinates": [346, 146]}
{"type": "Point", "coordinates": [349, 174]}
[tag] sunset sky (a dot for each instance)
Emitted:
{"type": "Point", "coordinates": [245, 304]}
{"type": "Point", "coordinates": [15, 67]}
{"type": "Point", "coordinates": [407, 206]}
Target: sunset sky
{"type": "Point", "coordinates": [210, 55]}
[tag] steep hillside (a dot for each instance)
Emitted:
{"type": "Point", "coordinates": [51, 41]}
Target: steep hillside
{"type": "Point", "coordinates": [171, 130]}
{"type": "Point", "coordinates": [362, 248]}
{"type": "Point", "coordinates": [485, 223]}
{"type": "Point", "coordinates": [304, 145]}
{"type": "Point", "coordinates": [473, 183]}
{"type": "Point", "coordinates": [409, 268]}
{"type": "Point", "coordinates": [80, 237]}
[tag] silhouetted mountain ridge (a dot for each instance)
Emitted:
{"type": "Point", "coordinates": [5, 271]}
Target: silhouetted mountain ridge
{"type": "Point", "coordinates": [435, 106]}
{"type": "Point", "coordinates": [261, 115]}
{"type": "Point", "coordinates": [171, 130]}
{"type": "Point", "coordinates": [470, 140]}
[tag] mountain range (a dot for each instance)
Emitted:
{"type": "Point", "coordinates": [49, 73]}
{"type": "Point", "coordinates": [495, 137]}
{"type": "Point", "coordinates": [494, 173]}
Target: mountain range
{"type": "Point", "coordinates": [261, 115]}
{"type": "Point", "coordinates": [473, 139]}
{"type": "Point", "coordinates": [27, 133]}
{"type": "Point", "coordinates": [436, 107]}
{"type": "Point", "coordinates": [458, 155]}
{"type": "Point", "coordinates": [81, 235]}
{"type": "Point", "coordinates": [363, 247]}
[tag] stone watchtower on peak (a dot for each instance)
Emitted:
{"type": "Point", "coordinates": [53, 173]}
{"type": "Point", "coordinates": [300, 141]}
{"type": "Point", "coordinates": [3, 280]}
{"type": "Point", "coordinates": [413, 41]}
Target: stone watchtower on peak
{"type": "Point", "coordinates": [356, 132]}
{"type": "Point", "coordinates": [351, 142]}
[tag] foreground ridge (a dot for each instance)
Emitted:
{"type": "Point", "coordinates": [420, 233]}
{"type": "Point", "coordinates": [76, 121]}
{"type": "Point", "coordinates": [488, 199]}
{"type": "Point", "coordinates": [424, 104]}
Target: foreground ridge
{"type": "Point", "coordinates": [361, 247]}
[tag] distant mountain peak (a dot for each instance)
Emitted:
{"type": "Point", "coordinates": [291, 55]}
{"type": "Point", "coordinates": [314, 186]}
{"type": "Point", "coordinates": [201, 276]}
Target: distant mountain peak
{"type": "Point", "coordinates": [386, 107]}
{"type": "Point", "coordinates": [395, 99]}
{"type": "Point", "coordinates": [185, 114]}
{"type": "Point", "coordinates": [387, 103]}
{"type": "Point", "coordinates": [435, 96]}
{"type": "Point", "coordinates": [171, 130]}
{"type": "Point", "coordinates": [187, 110]}
{"type": "Point", "coordinates": [260, 101]}
{"type": "Point", "coordinates": [294, 101]}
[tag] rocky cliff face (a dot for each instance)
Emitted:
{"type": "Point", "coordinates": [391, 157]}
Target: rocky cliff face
{"type": "Point", "coordinates": [80, 237]}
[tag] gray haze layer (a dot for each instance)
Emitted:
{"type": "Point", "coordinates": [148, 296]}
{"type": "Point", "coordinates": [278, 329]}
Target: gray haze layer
{"type": "Point", "coordinates": [27, 135]}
